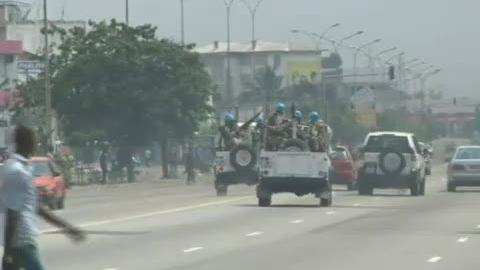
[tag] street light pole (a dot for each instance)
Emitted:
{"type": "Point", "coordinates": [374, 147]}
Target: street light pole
{"type": "Point", "coordinates": [127, 13]}
{"type": "Point", "coordinates": [411, 61]}
{"type": "Point", "coordinates": [423, 82]}
{"type": "Point", "coordinates": [48, 90]}
{"type": "Point", "coordinates": [355, 56]}
{"type": "Point", "coordinates": [416, 65]}
{"type": "Point", "coordinates": [340, 42]}
{"type": "Point", "coordinates": [252, 9]}
{"type": "Point", "coordinates": [394, 56]}
{"type": "Point", "coordinates": [310, 35]}
{"type": "Point", "coordinates": [386, 51]}
{"type": "Point", "coordinates": [182, 22]}
{"type": "Point", "coordinates": [325, 32]}
{"type": "Point", "coordinates": [379, 59]}
{"type": "Point", "coordinates": [228, 8]}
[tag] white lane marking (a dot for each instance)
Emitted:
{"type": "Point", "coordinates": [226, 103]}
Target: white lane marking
{"type": "Point", "coordinates": [110, 269]}
{"type": "Point", "coordinates": [192, 249]}
{"type": "Point", "coordinates": [297, 221]}
{"type": "Point", "coordinates": [462, 239]}
{"type": "Point", "coordinates": [356, 204]}
{"type": "Point", "coordinates": [434, 259]}
{"type": "Point", "coordinates": [152, 214]}
{"type": "Point", "coordinates": [377, 198]}
{"type": "Point", "coordinates": [253, 234]}
{"type": "Point", "coordinates": [331, 213]}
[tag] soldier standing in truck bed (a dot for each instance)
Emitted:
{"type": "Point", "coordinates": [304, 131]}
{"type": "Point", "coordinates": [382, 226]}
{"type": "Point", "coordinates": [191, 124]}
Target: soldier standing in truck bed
{"type": "Point", "coordinates": [276, 128]}
{"type": "Point", "coordinates": [320, 133]}
{"type": "Point", "coordinates": [227, 133]}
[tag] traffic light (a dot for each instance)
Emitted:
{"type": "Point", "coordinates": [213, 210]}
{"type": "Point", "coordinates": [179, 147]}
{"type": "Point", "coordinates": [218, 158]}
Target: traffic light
{"type": "Point", "coordinates": [455, 101]}
{"type": "Point", "coordinates": [391, 73]}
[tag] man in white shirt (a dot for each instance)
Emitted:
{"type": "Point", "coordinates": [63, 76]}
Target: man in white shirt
{"type": "Point", "coordinates": [22, 209]}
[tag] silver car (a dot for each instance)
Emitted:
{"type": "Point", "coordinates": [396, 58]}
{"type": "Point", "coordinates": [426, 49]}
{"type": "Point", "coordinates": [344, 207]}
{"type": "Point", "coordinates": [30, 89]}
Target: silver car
{"type": "Point", "coordinates": [464, 168]}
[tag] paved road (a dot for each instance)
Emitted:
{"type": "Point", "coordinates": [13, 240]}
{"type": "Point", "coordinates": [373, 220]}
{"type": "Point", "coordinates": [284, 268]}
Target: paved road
{"type": "Point", "coordinates": [157, 226]}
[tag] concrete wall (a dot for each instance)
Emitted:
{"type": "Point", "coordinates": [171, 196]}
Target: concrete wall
{"type": "Point", "coordinates": [8, 71]}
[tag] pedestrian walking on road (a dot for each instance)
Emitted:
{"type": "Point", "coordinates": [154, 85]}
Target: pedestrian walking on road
{"type": "Point", "coordinates": [21, 208]}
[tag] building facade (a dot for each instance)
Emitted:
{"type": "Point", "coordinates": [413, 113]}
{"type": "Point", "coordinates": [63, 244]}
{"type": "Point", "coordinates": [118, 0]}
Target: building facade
{"type": "Point", "coordinates": [290, 61]}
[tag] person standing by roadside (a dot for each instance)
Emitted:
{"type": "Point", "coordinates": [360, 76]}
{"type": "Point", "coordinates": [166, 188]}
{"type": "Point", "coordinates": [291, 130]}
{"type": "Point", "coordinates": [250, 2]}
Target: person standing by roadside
{"type": "Point", "coordinates": [190, 163]}
{"type": "Point", "coordinates": [148, 158]}
{"type": "Point", "coordinates": [21, 209]}
{"type": "Point", "coordinates": [103, 160]}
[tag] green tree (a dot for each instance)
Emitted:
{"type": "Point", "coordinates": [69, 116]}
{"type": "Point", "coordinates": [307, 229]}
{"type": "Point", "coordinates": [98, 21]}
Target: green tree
{"type": "Point", "coordinates": [126, 84]}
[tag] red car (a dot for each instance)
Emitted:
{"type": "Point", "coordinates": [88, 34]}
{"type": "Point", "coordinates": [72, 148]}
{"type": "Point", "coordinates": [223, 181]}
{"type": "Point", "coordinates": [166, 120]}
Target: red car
{"type": "Point", "coordinates": [49, 182]}
{"type": "Point", "coordinates": [345, 169]}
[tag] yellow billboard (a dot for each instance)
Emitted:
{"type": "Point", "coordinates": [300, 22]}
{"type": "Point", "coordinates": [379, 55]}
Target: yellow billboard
{"type": "Point", "coordinates": [299, 71]}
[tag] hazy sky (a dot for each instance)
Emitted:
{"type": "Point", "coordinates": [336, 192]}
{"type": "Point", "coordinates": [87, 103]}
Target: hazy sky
{"type": "Point", "coordinates": [442, 32]}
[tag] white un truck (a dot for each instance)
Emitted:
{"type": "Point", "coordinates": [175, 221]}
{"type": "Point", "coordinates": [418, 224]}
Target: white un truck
{"type": "Point", "coordinates": [295, 169]}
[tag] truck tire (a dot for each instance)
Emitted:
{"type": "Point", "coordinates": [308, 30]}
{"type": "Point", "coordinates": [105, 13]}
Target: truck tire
{"type": "Point", "coordinates": [391, 162]}
{"type": "Point", "coordinates": [415, 188]}
{"type": "Point", "coordinates": [295, 145]}
{"type": "Point", "coordinates": [326, 202]}
{"type": "Point", "coordinates": [243, 158]}
{"type": "Point", "coordinates": [264, 202]}
{"type": "Point", "coordinates": [422, 188]}
{"type": "Point", "coordinates": [264, 196]}
{"type": "Point", "coordinates": [364, 188]}
{"type": "Point", "coordinates": [451, 187]}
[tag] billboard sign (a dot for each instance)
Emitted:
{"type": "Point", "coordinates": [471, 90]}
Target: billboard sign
{"type": "Point", "coordinates": [30, 68]}
{"type": "Point", "coordinates": [309, 71]}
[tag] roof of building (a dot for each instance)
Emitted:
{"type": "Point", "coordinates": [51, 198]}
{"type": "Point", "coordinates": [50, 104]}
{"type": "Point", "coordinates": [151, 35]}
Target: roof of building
{"type": "Point", "coordinates": [246, 47]}
{"type": "Point", "coordinates": [11, 47]}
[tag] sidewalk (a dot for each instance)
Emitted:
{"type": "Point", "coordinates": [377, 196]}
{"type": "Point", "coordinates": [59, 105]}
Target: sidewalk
{"type": "Point", "coordinates": [150, 176]}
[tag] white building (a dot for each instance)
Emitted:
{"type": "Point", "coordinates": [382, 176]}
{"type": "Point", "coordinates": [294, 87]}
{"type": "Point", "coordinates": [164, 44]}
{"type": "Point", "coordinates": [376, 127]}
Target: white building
{"type": "Point", "coordinates": [291, 61]}
{"type": "Point", "coordinates": [20, 37]}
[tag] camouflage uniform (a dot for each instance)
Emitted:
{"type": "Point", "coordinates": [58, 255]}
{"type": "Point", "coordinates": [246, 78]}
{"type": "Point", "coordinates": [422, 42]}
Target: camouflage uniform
{"type": "Point", "coordinates": [258, 136]}
{"type": "Point", "coordinates": [227, 137]}
{"type": "Point", "coordinates": [320, 135]}
{"type": "Point", "coordinates": [276, 131]}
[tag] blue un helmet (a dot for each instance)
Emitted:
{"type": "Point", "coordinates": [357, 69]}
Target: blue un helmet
{"type": "Point", "coordinates": [298, 115]}
{"type": "Point", "coordinates": [229, 118]}
{"type": "Point", "coordinates": [314, 117]}
{"type": "Point", "coordinates": [281, 108]}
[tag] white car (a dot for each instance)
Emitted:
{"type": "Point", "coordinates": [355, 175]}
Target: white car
{"type": "Point", "coordinates": [391, 160]}
{"type": "Point", "coordinates": [464, 168]}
